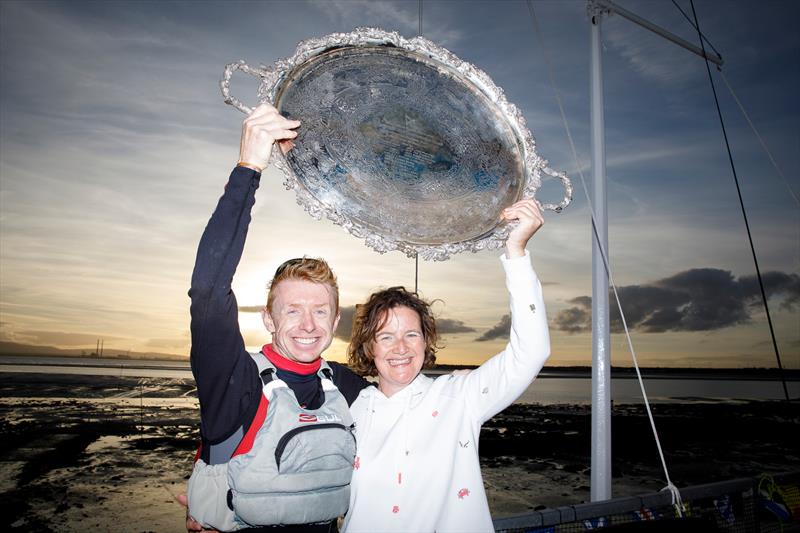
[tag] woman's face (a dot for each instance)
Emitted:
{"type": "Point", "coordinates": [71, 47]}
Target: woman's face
{"type": "Point", "coordinates": [398, 349]}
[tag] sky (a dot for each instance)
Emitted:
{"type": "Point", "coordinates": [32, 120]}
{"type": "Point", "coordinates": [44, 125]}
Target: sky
{"type": "Point", "coordinates": [115, 145]}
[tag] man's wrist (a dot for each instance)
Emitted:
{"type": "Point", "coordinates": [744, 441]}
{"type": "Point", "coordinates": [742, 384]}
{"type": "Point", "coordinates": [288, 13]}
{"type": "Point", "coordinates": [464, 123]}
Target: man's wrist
{"type": "Point", "coordinates": [251, 166]}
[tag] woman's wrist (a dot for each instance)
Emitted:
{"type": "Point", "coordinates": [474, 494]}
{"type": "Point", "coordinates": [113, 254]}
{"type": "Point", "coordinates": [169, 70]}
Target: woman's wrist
{"type": "Point", "coordinates": [514, 250]}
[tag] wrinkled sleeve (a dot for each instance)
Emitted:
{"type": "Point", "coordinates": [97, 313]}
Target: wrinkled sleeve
{"type": "Point", "coordinates": [227, 382]}
{"type": "Point", "coordinates": [503, 378]}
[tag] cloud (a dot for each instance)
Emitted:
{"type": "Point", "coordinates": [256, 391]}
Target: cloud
{"type": "Point", "coordinates": [699, 299]}
{"type": "Point", "coordinates": [345, 326]}
{"type": "Point", "coordinates": [62, 338]}
{"type": "Point", "coordinates": [402, 17]}
{"type": "Point", "coordinates": [179, 342]}
{"type": "Point", "coordinates": [497, 331]}
{"type": "Point", "coordinates": [648, 54]}
{"type": "Point", "coordinates": [446, 326]}
{"type": "Point", "coordinates": [775, 283]}
{"type": "Point", "coordinates": [346, 12]}
{"type": "Point", "coordinates": [575, 319]}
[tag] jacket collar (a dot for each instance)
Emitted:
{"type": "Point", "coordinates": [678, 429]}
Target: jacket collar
{"type": "Point", "coordinates": [283, 363]}
{"type": "Point", "coordinates": [412, 393]}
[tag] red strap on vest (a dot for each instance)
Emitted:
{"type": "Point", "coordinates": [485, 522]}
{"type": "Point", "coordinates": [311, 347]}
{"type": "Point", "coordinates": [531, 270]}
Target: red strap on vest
{"type": "Point", "coordinates": [249, 438]}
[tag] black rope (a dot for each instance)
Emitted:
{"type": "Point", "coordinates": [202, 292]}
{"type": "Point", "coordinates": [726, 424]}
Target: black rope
{"type": "Point", "coordinates": [419, 18]}
{"type": "Point", "coordinates": [416, 273]}
{"type": "Point", "coordinates": [744, 212]}
{"type": "Point", "coordinates": [416, 255]}
{"type": "Point", "coordinates": [696, 28]}
{"type": "Point", "coordinates": [752, 126]}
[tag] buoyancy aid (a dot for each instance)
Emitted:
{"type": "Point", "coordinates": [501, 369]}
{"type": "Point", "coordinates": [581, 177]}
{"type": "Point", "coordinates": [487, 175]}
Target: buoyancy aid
{"type": "Point", "coordinates": [297, 472]}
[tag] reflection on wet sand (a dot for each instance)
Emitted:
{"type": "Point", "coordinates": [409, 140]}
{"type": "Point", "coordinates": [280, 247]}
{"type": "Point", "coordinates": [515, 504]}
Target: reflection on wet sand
{"type": "Point", "coordinates": [109, 453]}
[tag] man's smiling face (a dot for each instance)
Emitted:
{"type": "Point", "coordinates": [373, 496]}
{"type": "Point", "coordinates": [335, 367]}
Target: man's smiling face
{"type": "Point", "coordinates": [302, 320]}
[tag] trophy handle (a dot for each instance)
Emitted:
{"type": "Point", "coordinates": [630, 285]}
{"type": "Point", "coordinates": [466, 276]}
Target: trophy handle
{"type": "Point", "coordinates": [225, 83]}
{"type": "Point", "coordinates": [567, 190]}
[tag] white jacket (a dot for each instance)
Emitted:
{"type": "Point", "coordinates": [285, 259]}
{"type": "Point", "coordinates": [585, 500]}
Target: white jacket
{"type": "Point", "coordinates": [417, 467]}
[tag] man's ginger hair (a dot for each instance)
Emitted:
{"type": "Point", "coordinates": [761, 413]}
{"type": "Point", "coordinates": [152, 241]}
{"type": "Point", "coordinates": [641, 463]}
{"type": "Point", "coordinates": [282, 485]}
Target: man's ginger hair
{"type": "Point", "coordinates": [308, 269]}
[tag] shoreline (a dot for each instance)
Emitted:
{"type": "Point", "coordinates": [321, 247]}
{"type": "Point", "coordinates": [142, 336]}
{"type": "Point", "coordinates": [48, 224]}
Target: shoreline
{"type": "Point", "coordinates": [107, 452]}
{"type": "Point", "coordinates": [578, 372]}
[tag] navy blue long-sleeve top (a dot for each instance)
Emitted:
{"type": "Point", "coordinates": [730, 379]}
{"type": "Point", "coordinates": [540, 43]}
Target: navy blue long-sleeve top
{"type": "Point", "coordinates": [228, 384]}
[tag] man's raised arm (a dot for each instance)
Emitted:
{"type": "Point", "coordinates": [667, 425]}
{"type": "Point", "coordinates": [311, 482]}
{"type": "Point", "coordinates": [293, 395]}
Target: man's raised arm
{"type": "Point", "coordinates": [218, 360]}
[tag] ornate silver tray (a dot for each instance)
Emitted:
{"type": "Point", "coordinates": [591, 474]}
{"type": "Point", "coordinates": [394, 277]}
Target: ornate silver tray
{"type": "Point", "coordinates": [401, 143]}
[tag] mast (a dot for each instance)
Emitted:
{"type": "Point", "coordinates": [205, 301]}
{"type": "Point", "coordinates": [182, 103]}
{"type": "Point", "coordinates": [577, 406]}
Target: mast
{"type": "Point", "coordinates": [601, 349]}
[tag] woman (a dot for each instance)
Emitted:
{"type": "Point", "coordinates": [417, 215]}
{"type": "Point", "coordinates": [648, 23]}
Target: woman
{"type": "Point", "coordinates": [417, 465]}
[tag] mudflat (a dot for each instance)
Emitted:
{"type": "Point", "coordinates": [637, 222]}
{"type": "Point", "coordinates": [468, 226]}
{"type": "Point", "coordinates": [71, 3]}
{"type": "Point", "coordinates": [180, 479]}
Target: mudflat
{"type": "Point", "coordinates": [106, 453]}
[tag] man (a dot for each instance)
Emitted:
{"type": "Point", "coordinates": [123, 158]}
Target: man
{"type": "Point", "coordinates": [302, 312]}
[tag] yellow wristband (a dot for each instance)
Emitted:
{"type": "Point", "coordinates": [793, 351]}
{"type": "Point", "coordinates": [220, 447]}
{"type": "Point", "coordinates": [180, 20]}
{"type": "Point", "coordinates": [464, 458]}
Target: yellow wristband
{"type": "Point", "coordinates": [251, 166]}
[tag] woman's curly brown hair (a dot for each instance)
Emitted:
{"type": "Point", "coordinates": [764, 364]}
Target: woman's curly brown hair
{"type": "Point", "coordinates": [370, 317]}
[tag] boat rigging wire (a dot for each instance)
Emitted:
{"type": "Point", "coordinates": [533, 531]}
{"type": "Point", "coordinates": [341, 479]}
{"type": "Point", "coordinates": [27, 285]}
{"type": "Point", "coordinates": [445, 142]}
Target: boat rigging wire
{"type": "Point", "coordinates": [702, 35]}
{"type": "Point", "coordinates": [676, 497]}
{"type": "Point", "coordinates": [416, 273]}
{"type": "Point", "coordinates": [760, 140]}
{"type": "Point", "coordinates": [742, 109]}
{"type": "Point", "coordinates": [744, 211]}
{"type": "Point", "coordinates": [416, 255]}
{"type": "Point", "coordinates": [419, 18]}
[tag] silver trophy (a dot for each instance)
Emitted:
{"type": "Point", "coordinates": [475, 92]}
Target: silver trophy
{"type": "Point", "coordinates": [402, 144]}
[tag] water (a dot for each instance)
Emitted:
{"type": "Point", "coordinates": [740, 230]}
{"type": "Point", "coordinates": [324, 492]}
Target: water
{"type": "Point", "coordinates": [546, 389]}
{"type": "Point", "coordinates": [96, 366]}
{"type": "Point", "coordinates": [625, 390]}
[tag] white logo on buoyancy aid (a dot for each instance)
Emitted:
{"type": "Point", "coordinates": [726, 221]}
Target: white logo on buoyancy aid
{"type": "Point", "coordinates": [305, 417]}
{"type": "Point", "coordinates": [299, 468]}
